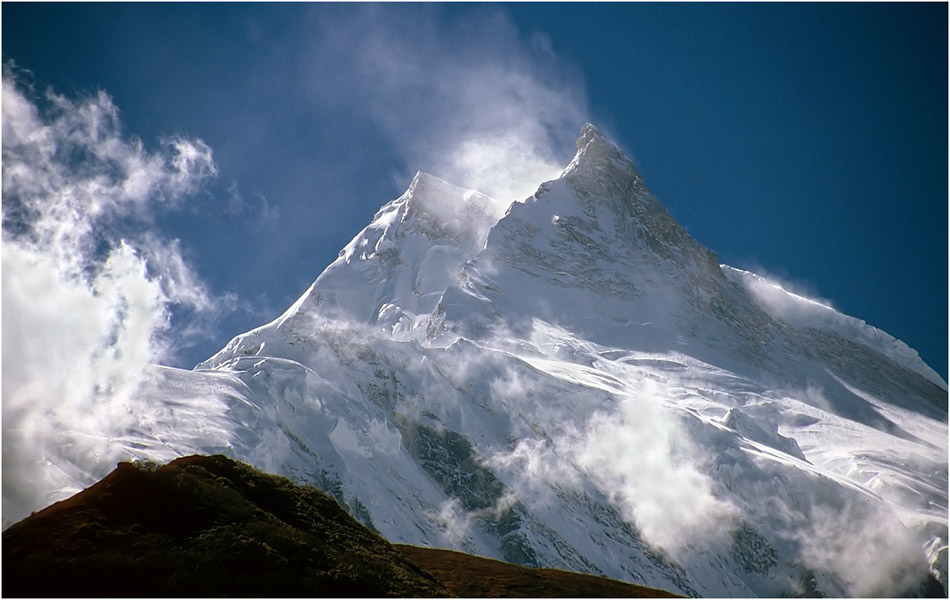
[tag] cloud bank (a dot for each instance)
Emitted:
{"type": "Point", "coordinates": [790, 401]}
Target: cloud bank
{"type": "Point", "coordinates": [466, 99]}
{"type": "Point", "coordinates": [89, 292]}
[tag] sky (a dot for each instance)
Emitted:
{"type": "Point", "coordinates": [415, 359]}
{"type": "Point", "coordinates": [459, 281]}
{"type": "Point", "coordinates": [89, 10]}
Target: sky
{"type": "Point", "coordinates": [201, 164]}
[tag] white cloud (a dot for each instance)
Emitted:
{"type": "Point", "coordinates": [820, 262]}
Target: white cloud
{"type": "Point", "coordinates": [640, 459]}
{"type": "Point", "coordinates": [454, 521]}
{"type": "Point", "coordinates": [87, 297]}
{"type": "Point", "coordinates": [866, 547]}
{"type": "Point", "coordinates": [468, 100]}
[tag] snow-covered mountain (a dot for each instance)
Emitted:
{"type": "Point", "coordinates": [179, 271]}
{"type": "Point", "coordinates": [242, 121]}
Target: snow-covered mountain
{"type": "Point", "coordinates": [573, 381]}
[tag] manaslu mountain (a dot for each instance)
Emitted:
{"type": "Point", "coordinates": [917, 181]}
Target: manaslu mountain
{"type": "Point", "coordinates": [571, 381]}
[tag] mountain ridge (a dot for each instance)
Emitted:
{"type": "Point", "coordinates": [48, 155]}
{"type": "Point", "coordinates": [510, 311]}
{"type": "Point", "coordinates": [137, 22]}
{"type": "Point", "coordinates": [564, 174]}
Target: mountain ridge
{"type": "Point", "coordinates": [582, 385]}
{"type": "Point", "coordinates": [210, 526]}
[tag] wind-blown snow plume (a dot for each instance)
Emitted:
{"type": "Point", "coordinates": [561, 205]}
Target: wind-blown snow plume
{"type": "Point", "coordinates": [87, 296]}
{"type": "Point", "coordinates": [658, 484]}
{"type": "Point", "coordinates": [472, 103]}
{"type": "Point", "coordinates": [636, 455]}
{"type": "Point", "coordinates": [868, 548]}
{"type": "Point", "coordinates": [776, 298]}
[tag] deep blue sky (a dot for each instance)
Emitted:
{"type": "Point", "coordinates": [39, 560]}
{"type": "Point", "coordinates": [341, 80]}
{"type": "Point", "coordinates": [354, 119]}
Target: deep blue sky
{"type": "Point", "coordinates": [803, 141]}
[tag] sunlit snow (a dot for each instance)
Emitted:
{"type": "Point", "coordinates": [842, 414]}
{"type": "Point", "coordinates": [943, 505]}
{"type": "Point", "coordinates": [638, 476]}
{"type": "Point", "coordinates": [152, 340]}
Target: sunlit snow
{"type": "Point", "coordinates": [572, 381]}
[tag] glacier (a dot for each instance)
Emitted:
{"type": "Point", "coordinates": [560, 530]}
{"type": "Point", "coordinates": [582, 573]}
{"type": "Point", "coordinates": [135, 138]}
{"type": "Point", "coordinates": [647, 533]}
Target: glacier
{"type": "Point", "coordinates": [572, 381]}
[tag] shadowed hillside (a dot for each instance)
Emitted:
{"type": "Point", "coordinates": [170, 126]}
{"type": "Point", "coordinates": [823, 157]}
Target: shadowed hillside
{"type": "Point", "coordinates": [470, 576]}
{"type": "Point", "coordinates": [202, 526]}
{"type": "Point", "coordinates": [210, 526]}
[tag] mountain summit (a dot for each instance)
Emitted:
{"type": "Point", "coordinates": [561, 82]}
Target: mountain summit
{"type": "Point", "coordinates": [572, 381]}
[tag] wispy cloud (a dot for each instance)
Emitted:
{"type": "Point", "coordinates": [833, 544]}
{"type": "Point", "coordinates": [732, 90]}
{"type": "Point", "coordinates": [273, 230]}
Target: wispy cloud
{"type": "Point", "coordinates": [659, 485]}
{"type": "Point", "coordinates": [89, 290]}
{"type": "Point", "coordinates": [866, 547]}
{"type": "Point", "coordinates": [265, 215]}
{"type": "Point", "coordinates": [632, 451]}
{"type": "Point", "coordinates": [782, 298]}
{"type": "Point", "coordinates": [468, 99]}
{"type": "Point", "coordinates": [787, 301]}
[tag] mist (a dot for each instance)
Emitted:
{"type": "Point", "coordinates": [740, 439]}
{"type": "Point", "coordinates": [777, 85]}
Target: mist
{"type": "Point", "coordinates": [89, 291]}
{"type": "Point", "coordinates": [473, 102]}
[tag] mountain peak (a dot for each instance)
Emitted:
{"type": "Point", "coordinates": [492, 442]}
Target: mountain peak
{"type": "Point", "coordinates": [446, 210]}
{"type": "Point", "coordinates": [593, 237]}
{"type": "Point", "coordinates": [426, 185]}
{"type": "Point", "coordinates": [475, 376]}
{"type": "Point", "coordinates": [588, 132]}
{"type": "Point", "coordinates": [595, 150]}
{"type": "Point", "coordinates": [610, 188]}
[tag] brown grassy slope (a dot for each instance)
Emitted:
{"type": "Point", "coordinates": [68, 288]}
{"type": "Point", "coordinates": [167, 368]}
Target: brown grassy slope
{"type": "Point", "coordinates": [202, 526]}
{"type": "Point", "coordinates": [470, 576]}
{"type": "Point", "coordinates": [206, 526]}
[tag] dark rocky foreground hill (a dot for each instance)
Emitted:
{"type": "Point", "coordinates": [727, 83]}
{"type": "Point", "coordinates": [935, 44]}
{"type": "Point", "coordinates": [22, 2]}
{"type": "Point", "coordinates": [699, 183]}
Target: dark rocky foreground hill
{"type": "Point", "coordinates": [205, 526]}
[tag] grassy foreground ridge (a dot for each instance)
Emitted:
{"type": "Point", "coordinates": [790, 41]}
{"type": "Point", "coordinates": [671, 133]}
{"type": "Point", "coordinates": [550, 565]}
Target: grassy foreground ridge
{"type": "Point", "coordinates": [205, 526]}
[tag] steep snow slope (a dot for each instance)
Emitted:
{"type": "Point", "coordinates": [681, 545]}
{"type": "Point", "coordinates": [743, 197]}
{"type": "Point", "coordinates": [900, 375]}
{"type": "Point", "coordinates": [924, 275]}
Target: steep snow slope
{"type": "Point", "coordinates": [573, 381]}
{"type": "Point", "coordinates": [396, 268]}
